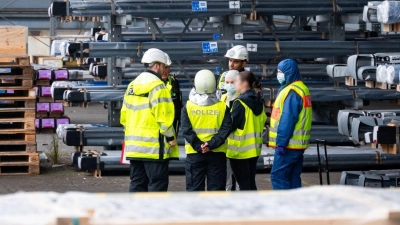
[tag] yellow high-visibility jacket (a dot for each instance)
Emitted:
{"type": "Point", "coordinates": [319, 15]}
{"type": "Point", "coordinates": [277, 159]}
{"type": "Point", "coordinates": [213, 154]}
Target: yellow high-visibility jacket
{"type": "Point", "coordinates": [147, 115]}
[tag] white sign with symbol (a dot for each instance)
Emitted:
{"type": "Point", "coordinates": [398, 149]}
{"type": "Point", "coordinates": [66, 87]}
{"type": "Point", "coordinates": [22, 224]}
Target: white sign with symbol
{"type": "Point", "coordinates": [268, 160]}
{"type": "Point", "coordinates": [234, 4]}
{"type": "Point", "coordinates": [239, 36]}
{"type": "Point", "coordinates": [251, 47]}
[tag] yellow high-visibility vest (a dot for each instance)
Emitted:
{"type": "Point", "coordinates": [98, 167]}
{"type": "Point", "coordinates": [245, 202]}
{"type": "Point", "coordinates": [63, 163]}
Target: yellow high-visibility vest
{"type": "Point", "coordinates": [205, 121]}
{"type": "Point", "coordinates": [301, 134]}
{"type": "Point", "coordinates": [221, 80]}
{"type": "Point", "coordinates": [247, 143]}
{"type": "Point", "coordinates": [147, 115]}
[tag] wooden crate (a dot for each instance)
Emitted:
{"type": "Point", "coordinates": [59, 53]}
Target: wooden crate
{"type": "Point", "coordinates": [11, 137]}
{"type": "Point", "coordinates": [13, 40]}
{"type": "Point", "coordinates": [349, 81]}
{"type": "Point", "coordinates": [47, 60]}
{"type": "Point", "coordinates": [18, 147]}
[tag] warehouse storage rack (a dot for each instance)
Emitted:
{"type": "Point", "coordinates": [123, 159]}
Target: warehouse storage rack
{"type": "Point", "coordinates": [239, 22]}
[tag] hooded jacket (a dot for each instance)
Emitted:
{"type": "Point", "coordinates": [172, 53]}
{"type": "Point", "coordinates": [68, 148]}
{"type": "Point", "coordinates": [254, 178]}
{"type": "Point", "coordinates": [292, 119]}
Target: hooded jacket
{"type": "Point", "coordinates": [253, 101]}
{"type": "Point", "coordinates": [293, 103]}
{"type": "Point", "coordinates": [190, 135]}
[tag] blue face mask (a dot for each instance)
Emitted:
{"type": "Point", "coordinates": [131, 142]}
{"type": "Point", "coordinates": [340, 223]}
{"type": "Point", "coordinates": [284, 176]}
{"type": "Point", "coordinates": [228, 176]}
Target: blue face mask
{"type": "Point", "coordinates": [230, 88]}
{"type": "Point", "coordinates": [281, 77]}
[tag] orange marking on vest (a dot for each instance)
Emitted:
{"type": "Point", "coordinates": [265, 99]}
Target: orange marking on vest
{"type": "Point", "coordinates": [275, 113]}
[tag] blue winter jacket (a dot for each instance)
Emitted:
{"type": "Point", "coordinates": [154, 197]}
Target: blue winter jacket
{"type": "Point", "coordinates": [293, 103]}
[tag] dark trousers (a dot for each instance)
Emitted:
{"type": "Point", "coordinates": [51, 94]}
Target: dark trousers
{"type": "Point", "coordinates": [200, 166]}
{"type": "Point", "coordinates": [244, 171]}
{"type": "Point", "coordinates": [148, 176]}
{"type": "Point", "coordinates": [286, 170]}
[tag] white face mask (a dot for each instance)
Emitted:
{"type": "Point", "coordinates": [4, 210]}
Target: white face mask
{"type": "Point", "coordinates": [281, 77]}
{"type": "Point", "coordinates": [230, 88]}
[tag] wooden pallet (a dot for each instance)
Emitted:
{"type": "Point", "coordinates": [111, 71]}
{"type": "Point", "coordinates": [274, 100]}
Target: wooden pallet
{"type": "Point", "coordinates": [18, 147]}
{"type": "Point", "coordinates": [16, 72]}
{"type": "Point", "coordinates": [18, 104]}
{"type": "Point", "coordinates": [11, 137]}
{"type": "Point", "coordinates": [16, 83]}
{"type": "Point", "coordinates": [17, 125]}
{"type": "Point", "coordinates": [14, 113]}
{"type": "Point", "coordinates": [43, 82]}
{"type": "Point", "coordinates": [19, 169]}
{"type": "Point", "coordinates": [17, 95]}
{"type": "Point", "coordinates": [14, 60]}
{"type": "Point", "coordinates": [15, 163]}
{"type": "Point", "coordinates": [45, 99]}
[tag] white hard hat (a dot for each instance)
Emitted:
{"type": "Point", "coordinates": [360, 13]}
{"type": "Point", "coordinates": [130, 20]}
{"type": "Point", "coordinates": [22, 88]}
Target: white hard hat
{"type": "Point", "coordinates": [204, 82]}
{"type": "Point", "coordinates": [154, 55]}
{"type": "Point", "coordinates": [169, 62]}
{"type": "Point", "coordinates": [237, 52]}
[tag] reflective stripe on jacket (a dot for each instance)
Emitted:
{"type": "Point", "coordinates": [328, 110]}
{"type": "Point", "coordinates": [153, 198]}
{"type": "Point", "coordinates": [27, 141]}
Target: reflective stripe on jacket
{"type": "Point", "coordinates": [301, 134]}
{"type": "Point", "coordinates": [247, 143]}
{"type": "Point", "coordinates": [205, 121]}
{"type": "Point", "coordinates": [147, 115]}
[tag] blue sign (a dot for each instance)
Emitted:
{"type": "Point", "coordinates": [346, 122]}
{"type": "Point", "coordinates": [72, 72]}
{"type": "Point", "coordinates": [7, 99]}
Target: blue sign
{"type": "Point", "coordinates": [218, 70]}
{"type": "Point", "coordinates": [5, 70]}
{"type": "Point", "coordinates": [216, 36]}
{"type": "Point", "coordinates": [200, 6]}
{"type": "Point", "coordinates": [210, 47]}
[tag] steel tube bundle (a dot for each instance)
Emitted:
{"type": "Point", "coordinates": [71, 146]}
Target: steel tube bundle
{"type": "Point", "coordinates": [261, 51]}
{"type": "Point", "coordinates": [183, 8]}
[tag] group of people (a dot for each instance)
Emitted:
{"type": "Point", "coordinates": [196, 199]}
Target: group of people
{"type": "Point", "coordinates": [222, 123]}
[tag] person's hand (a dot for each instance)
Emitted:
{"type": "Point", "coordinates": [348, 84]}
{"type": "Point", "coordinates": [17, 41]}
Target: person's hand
{"type": "Point", "coordinates": [205, 148]}
{"type": "Point", "coordinates": [172, 143]}
{"type": "Point", "coordinates": [281, 150]}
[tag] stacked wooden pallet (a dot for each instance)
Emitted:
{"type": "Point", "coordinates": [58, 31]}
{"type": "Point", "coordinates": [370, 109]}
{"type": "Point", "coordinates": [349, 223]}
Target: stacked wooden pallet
{"type": "Point", "coordinates": [18, 153]}
{"type": "Point", "coordinates": [49, 113]}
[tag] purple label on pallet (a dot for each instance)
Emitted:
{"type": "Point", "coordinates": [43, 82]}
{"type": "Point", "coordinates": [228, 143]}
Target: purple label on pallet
{"type": "Point", "coordinates": [61, 75]}
{"type": "Point", "coordinates": [45, 91]}
{"type": "Point", "coordinates": [47, 123]}
{"type": "Point", "coordinates": [37, 123]}
{"type": "Point", "coordinates": [42, 107]}
{"type": "Point", "coordinates": [44, 75]}
{"type": "Point", "coordinates": [62, 121]}
{"type": "Point", "coordinates": [56, 107]}
{"type": "Point", "coordinates": [10, 91]}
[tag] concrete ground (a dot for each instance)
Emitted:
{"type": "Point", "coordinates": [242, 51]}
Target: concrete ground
{"type": "Point", "coordinates": [68, 178]}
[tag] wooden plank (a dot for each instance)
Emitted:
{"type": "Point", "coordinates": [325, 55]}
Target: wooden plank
{"type": "Point", "coordinates": [14, 39]}
{"type": "Point", "coordinates": [349, 81]}
{"type": "Point", "coordinates": [43, 82]}
{"type": "Point", "coordinates": [18, 158]}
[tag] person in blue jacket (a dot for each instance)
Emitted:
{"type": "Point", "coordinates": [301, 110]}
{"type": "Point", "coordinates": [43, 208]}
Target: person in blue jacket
{"type": "Point", "coordinates": [288, 163]}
